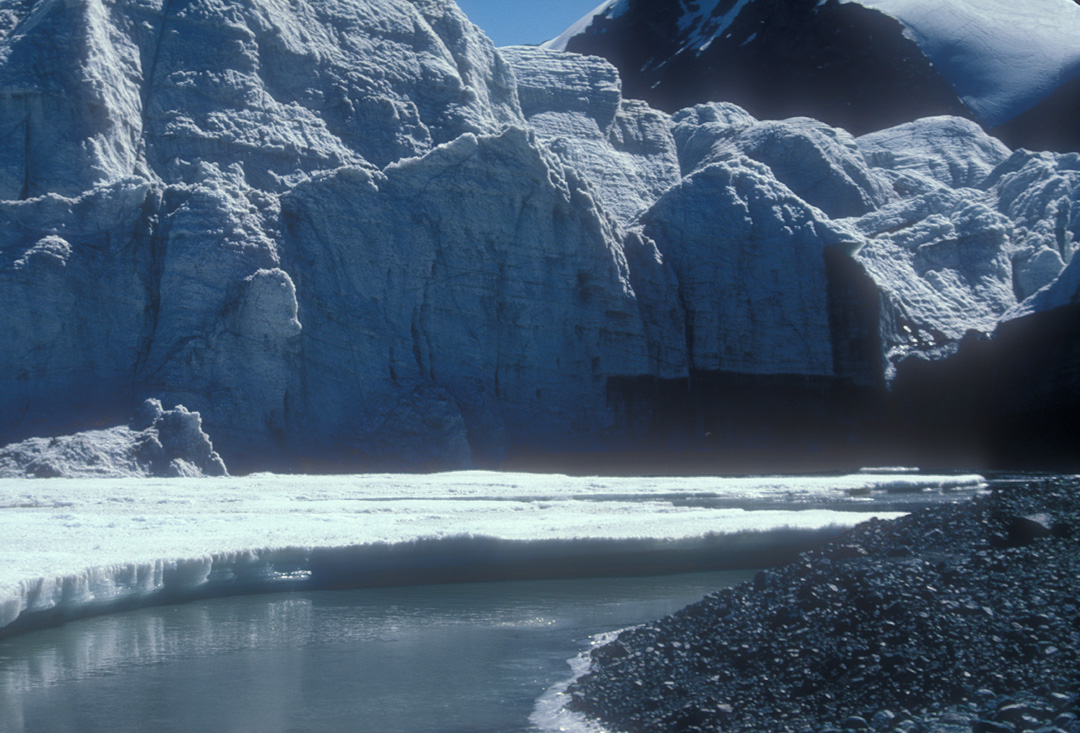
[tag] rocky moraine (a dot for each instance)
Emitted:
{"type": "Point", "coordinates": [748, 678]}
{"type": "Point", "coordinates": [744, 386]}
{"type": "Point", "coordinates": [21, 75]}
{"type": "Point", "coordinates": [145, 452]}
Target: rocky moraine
{"type": "Point", "coordinates": [960, 617]}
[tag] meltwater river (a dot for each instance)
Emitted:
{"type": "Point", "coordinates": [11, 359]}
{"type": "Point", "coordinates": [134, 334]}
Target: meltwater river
{"type": "Point", "coordinates": [468, 657]}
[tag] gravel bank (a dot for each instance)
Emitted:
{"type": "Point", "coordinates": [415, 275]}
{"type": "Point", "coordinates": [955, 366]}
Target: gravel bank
{"type": "Point", "coordinates": [956, 618]}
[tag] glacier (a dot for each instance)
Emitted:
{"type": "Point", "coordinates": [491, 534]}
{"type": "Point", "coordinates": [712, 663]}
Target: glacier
{"type": "Point", "coordinates": [357, 236]}
{"type": "Point", "coordinates": [80, 546]}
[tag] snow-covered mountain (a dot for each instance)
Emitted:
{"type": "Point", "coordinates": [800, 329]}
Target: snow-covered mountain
{"type": "Point", "coordinates": [858, 64]}
{"type": "Point", "coordinates": [354, 234]}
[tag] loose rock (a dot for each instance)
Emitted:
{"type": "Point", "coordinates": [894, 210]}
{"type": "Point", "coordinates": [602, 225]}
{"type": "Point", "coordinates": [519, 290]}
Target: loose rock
{"type": "Point", "coordinates": [959, 633]}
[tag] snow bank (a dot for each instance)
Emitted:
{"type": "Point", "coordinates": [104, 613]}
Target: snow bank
{"type": "Point", "coordinates": [76, 547]}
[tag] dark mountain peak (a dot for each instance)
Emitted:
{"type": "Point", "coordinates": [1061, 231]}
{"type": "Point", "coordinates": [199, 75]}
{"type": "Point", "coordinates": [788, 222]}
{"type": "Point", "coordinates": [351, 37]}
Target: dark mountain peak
{"type": "Point", "coordinates": [844, 64]}
{"type": "Point", "coordinates": [850, 64]}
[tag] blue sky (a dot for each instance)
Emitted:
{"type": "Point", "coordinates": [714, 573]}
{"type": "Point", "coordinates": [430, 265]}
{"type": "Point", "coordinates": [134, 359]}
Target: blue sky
{"type": "Point", "coordinates": [507, 22]}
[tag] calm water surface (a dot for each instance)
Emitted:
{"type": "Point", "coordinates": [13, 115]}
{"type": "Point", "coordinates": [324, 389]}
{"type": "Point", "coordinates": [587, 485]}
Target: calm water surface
{"type": "Point", "coordinates": [472, 657]}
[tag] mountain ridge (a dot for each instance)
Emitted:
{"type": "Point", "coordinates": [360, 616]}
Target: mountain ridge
{"type": "Point", "coordinates": [858, 64]}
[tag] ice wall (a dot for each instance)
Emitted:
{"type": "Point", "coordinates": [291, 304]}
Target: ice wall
{"type": "Point", "coordinates": [354, 234]}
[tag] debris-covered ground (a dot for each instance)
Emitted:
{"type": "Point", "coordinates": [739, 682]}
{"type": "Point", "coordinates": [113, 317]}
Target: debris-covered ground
{"type": "Point", "coordinates": [961, 617]}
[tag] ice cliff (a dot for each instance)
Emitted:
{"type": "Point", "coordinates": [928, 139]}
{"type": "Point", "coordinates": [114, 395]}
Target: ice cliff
{"type": "Point", "coordinates": [353, 234]}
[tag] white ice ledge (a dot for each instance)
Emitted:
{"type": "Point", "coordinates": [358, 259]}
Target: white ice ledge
{"type": "Point", "coordinates": [72, 547]}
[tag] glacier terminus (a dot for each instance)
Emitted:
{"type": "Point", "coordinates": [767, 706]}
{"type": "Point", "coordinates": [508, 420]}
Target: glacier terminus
{"type": "Point", "coordinates": [354, 235]}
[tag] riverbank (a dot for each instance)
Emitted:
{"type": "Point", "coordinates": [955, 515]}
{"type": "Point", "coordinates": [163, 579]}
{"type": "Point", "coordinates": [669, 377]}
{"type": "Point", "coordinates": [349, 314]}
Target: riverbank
{"type": "Point", "coordinates": [961, 617]}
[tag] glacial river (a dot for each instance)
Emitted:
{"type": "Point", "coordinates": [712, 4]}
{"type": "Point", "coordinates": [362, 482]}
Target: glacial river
{"type": "Point", "coordinates": [468, 657]}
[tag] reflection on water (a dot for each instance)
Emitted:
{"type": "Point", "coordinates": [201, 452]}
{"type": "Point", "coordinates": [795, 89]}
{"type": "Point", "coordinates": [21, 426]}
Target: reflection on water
{"type": "Point", "coordinates": [471, 657]}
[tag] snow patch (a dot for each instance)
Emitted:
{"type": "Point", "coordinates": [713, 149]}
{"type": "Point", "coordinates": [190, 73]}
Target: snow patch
{"type": "Point", "coordinates": [609, 9]}
{"type": "Point", "coordinates": [708, 28]}
{"type": "Point", "coordinates": [1002, 57]}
